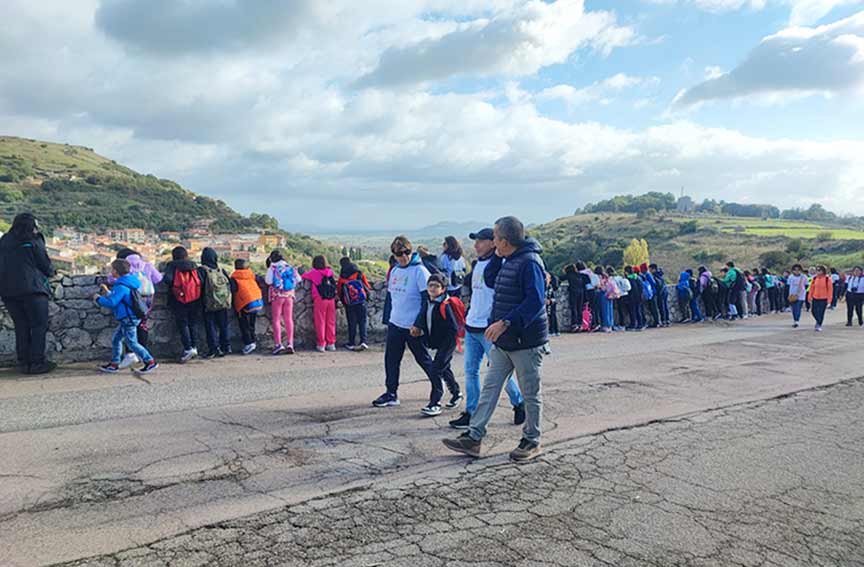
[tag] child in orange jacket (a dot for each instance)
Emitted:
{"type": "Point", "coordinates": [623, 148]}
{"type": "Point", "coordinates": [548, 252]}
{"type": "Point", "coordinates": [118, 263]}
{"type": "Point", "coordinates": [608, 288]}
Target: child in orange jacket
{"type": "Point", "coordinates": [248, 302]}
{"type": "Point", "coordinates": [820, 294]}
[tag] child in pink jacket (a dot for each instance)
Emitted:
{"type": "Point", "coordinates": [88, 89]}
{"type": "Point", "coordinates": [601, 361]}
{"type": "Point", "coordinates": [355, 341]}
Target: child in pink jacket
{"type": "Point", "coordinates": [324, 303]}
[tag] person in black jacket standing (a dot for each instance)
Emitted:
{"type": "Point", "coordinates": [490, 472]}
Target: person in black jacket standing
{"type": "Point", "coordinates": [24, 272]}
{"type": "Point", "coordinates": [519, 330]}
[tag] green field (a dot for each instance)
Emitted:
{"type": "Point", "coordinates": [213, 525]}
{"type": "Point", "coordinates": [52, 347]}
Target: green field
{"type": "Point", "coordinates": [780, 227]}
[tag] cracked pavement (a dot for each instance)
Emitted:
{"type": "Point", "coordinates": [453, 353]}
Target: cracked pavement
{"type": "Point", "coordinates": [668, 455]}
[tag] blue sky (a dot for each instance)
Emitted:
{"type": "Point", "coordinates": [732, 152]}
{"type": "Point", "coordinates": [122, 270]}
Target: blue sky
{"type": "Point", "coordinates": [392, 114]}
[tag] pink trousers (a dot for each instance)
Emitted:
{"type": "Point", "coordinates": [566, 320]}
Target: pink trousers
{"type": "Point", "coordinates": [283, 310]}
{"type": "Point", "coordinates": [325, 321]}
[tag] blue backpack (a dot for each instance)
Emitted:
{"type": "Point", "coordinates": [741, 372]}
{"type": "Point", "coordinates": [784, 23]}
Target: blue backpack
{"type": "Point", "coordinates": [284, 280]}
{"type": "Point", "coordinates": [647, 289]}
{"type": "Point", "coordinates": [353, 292]}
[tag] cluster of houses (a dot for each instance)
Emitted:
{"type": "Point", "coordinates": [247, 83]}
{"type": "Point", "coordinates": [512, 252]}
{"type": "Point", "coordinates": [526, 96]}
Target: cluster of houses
{"type": "Point", "coordinates": [75, 251]}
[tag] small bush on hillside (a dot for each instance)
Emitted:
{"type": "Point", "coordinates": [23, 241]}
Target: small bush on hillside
{"type": "Point", "coordinates": [795, 247]}
{"type": "Point", "coordinates": [776, 259]}
{"type": "Point", "coordinates": [689, 227]}
{"type": "Point", "coordinates": [825, 235]}
{"type": "Point", "coordinates": [706, 257]}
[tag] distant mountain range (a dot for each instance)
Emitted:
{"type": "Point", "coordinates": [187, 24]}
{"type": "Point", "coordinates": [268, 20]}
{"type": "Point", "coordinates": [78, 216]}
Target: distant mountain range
{"type": "Point", "coordinates": [440, 229]}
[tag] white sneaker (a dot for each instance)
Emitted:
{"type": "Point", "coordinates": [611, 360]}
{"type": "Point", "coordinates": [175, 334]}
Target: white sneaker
{"type": "Point", "coordinates": [128, 360]}
{"type": "Point", "coordinates": [431, 410]}
{"type": "Point", "coordinates": [362, 347]}
{"type": "Point", "coordinates": [189, 355]}
{"type": "Point", "coordinates": [330, 348]}
{"type": "Point", "coordinates": [250, 348]}
{"type": "Point", "coordinates": [818, 328]}
{"type": "Point", "coordinates": [320, 349]}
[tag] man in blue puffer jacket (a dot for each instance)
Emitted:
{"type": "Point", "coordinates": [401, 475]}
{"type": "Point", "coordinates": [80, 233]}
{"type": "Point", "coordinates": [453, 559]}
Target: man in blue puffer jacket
{"type": "Point", "coordinates": [519, 330]}
{"type": "Point", "coordinates": [120, 302]}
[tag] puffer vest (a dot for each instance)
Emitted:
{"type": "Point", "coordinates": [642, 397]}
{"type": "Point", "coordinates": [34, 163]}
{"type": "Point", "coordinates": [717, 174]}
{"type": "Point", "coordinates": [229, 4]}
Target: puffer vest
{"type": "Point", "coordinates": [509, 293]}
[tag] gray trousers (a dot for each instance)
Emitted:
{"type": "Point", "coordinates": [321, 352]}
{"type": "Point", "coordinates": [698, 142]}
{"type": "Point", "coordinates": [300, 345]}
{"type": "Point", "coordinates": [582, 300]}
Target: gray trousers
{"type": "Point", "coordinates": [502, 363]}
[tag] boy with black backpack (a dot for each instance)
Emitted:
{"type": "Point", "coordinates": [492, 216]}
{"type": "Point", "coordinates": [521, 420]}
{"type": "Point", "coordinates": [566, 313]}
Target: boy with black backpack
{"type": "Point", "coordinates": [216, 293]}
{"type": "Point", "coordinates": [183, 279]}
{"type": "Point", "coordinates": [129, 308]}
{"type": "Point", "coordinates": [352, 289]}
{"type": "Point", "coordinates": [441, 323]}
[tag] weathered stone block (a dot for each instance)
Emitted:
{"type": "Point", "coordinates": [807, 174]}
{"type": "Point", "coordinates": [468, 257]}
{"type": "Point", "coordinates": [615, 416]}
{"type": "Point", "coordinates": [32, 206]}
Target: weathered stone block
{"type": "Point", "coordinates": [75, 339]}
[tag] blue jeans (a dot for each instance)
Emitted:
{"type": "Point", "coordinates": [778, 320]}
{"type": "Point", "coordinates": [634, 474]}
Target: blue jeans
{"type": "Point", "coordinates": [695, 310]}
{"type": "Point", "coordinates": [476, 346]}
{"type": "Point", "coordinates": [606, 312]}
{"type": "Point", "coordinates": [796, 310]}
{"type": "Point", "coordinates": [127, 332]}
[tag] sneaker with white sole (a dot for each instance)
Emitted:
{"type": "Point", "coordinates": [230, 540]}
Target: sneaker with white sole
{"type": "Point", "coordinates": [465, 445]}
{"type": "Point", "coordinates": [148, 367]}
{"type": "Point", "coordinates": [330, 348]}
{"type": "Point", "coordinates": [320, 349]}
{"type": "Point", "coordinates": [526, 451]}
{"type": "Point", "coordinates": [455, 401]}
{"type": "Point", "coordinates": [128, 360]}
{"type": "Point", "coordinates": [277, 350]}
{"type": "Point", "coordinates": [431, 410]}
{"type": "Point", "coordinates": [110, 368]}
{"type": "Point", "coordinates": [250, 348]}
{"type": "Point", "coordinates": [189, 355]}
{"type": "Point", "coordinates": [386, 400]}
{"type": "Point", "coordinates": [362, 347]}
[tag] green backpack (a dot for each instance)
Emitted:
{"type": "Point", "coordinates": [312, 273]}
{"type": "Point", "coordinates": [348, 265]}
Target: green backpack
{"type": "Point", "coordinates": [217, 290]}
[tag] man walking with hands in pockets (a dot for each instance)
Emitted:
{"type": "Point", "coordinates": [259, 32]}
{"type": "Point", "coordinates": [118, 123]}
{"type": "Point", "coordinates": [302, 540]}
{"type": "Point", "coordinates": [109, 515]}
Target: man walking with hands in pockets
{"type": "Point", "coordinates": [519, 331]}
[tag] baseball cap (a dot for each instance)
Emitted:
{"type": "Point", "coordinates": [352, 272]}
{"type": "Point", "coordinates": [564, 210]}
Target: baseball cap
{"type": "Point", "coordinates": [482, 234]}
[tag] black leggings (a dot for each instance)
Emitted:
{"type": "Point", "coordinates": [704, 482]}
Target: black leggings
{"type": "Point", "coordinates": [854, 306]}
{"type": "Point", "coordinates": [819, 307]}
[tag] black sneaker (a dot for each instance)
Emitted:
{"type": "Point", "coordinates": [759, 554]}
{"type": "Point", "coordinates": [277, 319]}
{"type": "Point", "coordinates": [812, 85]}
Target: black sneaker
{"type": "Point", "coordinates": [431, 410]}
{"type": "Point", "coordinates": [519, 414]}
{"type": "Point", "coordinates": [42, 368]}
{"type": "Point", "coordinates": [148, 367]}
{"type": "Point", "coordinates": [464, 444]}
{"type": "Point", "coordinates": [526, 451]}
{"type": "Point", "coordinates": [455, 401]}
{"type": "Point", "coordinates": [223, 352]}
{"type": "Point", "coordinates": [211, 355]}
{"type": "Point", "coordinates": [462, 422]}
{"type": "Point", "coordinates": [110, 368]}
{"type": "Point", "coordinates": [386, 400]}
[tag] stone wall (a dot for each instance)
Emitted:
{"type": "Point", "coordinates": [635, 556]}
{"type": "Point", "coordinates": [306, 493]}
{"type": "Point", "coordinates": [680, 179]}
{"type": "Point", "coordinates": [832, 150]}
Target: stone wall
{"type": "Point", "coordinates": [81, 331]}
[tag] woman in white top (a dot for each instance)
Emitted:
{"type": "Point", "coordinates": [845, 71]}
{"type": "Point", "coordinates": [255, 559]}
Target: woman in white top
{"type": "Point", "coordinates": [855, 296]}
{"type": "Point", "coordinates": [796, 287]}
{"type": "Point", "coordinates": [453, 264]}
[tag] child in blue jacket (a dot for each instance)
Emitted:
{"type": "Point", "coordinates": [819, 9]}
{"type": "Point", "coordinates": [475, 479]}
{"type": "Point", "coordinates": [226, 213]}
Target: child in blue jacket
{"type": "Point", "coordinates": [119, 300]}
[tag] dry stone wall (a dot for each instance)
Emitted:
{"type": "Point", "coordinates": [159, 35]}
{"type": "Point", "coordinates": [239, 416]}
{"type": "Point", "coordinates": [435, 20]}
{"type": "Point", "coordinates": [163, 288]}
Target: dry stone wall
{"type": "Point", "coordinates": [81, 331]}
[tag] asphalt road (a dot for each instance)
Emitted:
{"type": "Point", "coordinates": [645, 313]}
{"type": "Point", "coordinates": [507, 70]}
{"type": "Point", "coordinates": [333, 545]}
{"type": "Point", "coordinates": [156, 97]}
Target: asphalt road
{"type": "Point", "coordinates": [283, 460]}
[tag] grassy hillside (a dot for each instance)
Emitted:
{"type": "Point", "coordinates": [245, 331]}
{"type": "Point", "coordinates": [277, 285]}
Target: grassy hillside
{"type": "Point", "coordinates": [679, 242]}
{"type": "Point", "coordinates": [74, 186]}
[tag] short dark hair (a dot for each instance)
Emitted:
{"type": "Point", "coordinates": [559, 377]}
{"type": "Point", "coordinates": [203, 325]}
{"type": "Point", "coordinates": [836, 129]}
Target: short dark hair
{"type": "Point", "coordinates": [579, 266]}
{"type": "Point", "coordinates": [653, 267]}
{"type": "Point", "coordinates": [439, 279]}
{"type": "Point", "coordinates": [124, 253]}
{"type": "Point", "coordinates": [401, 243]}
{"type": "Point", "coordinates": [275, 256]}
{"type": "Point", "coordinates": [179, 253]}
{"type": "Point", "coordinates": [240, 264]}
{"type": "Point", "coordinates": [799, 266]}
{"type": "Point", "coordinates": [598, 270]}
{"type": "Point", "coordinates": [730, 264]}
{"type": "Point", "coordinates": [121, 266]}
{"type": "Point", "coordinates": [610, 271]}
{"type": "Point", "coordinates": [821, 268]}
{"type": "Point", "coordinates": [319, 262]}
{"type": "Point", "coordinates": [512, 230]}
{"type": "Point", "coordinates": [628, 270]}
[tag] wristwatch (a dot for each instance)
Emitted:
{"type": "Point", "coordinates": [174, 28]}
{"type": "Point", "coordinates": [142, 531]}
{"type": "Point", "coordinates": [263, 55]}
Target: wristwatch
{"type": "Point", "coordinates": [507, 323]}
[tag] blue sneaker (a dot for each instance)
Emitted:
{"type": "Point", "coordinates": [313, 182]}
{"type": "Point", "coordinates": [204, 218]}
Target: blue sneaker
{"type": "Point", "coordinates": [110, 368]}
{"type": "Point", "coordinates": [386, 400]}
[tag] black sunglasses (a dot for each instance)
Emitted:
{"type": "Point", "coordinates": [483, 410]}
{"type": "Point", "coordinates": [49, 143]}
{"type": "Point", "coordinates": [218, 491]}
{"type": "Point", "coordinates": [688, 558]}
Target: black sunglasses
{"type": "Point", "coordinates": [403, 253]}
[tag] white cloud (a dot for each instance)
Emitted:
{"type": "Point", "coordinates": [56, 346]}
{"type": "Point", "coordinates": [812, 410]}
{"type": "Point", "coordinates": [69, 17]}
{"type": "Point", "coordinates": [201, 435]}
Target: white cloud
{"type": "Point", "coordinates": [826, 59]}
{"type": "Point", "coordinates": [514, 43]}
{"type": "Point", "coordinates": [601, 91]}
{"type": "Point", "coordinates": [806, 12]}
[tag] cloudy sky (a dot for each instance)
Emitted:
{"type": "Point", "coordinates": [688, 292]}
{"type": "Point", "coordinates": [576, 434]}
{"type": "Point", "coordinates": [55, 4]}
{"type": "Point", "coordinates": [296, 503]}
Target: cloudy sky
{"type": "Point", "coordinates": [401, 113]}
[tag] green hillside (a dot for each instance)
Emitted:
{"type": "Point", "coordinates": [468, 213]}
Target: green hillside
{"type": "Point", "coordinates": [679, 241]}
{"type": "Point", "coordinates": [67, 185]}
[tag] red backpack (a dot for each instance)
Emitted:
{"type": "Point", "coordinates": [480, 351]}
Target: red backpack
{"type": "Point", "coordinates": [187, 286]}
{"type": "Point", "coordinates": [458, 312]}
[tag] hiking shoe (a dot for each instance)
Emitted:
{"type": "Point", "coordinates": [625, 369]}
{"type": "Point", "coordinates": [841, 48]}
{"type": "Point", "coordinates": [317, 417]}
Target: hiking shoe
{"type": "Point", "coordinates": [148, 367]}
{"type": "Point", "coordinates": [289, 349]}
{"type": "Point", "coordinates": [189, 355]}
{"type": "Point", "coordinates": [431, 410]}
{"type": "Point", "coordinates": [464, 444]}
{"type": "Point", "coordinates": [320, 349]}
{"type": "Point", "coordinates": [278, 349]}
{"type": "Point", "coordinates": [795, 325]}
{"type": "Point", "coordinates": [110, 368]}
{"type": "Point", "coordinates": [42, 368]}
{"type": "Point", "coordinates": [362, 347]}
{"type": "Point", "coordinates": [249, 349]}
{"type": "Point", "coordinates": [462, 422]}
{"type": "Point", "coordinates": [330, 348]}
{"type": "Point", "coordinates": [128, 360]}
{"type": "Point", "coordinates": [519, 414]}
{"type": "Point", "coordinates": [350, 347]}
{"type": "Point", "coordinates": [526, 451]}
{"type": "Point", "coordinates": [386, 400]}
{"type": "Point", "coordinates": [455, 401]}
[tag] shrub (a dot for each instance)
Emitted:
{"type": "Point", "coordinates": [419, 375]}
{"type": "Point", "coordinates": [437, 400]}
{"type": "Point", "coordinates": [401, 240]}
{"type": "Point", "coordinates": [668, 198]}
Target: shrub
{"type": "Point", "coordinates": [689, 227]}
{"type": "Point", "coordinates": [776, 259]}
{"type": "Point", "coordinates": [795, 246]}
{"type": "Point", "coordinates": [706, 257]}
{"type": "Point", "coordinates": [825, 235]}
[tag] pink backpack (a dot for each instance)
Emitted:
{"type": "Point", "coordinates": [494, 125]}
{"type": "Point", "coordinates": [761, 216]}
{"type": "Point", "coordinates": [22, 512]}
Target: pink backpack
{"type": "Point", "coordinates": [586, 318]}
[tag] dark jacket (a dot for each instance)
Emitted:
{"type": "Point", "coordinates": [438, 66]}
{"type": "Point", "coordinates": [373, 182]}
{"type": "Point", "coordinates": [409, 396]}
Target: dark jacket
{"type": "Point", "coordinates": [172, 268]}
{"type": "Point", "coordinates": [520, 298]}
{"type": "Point", "coordinates": [442, 335]}
{"type": "Point", "coordinates": [24, 266]}
{"type": "Point", "coordinates": [577, 282]}
{"type": "Point", "coordinates": [432, 263]}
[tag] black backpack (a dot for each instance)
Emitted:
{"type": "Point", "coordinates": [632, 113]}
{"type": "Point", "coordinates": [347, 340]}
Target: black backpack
{"type": "Point", "coordinates": [327, 288]}
{"type": "Point", "coordinates": [136, 302]}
